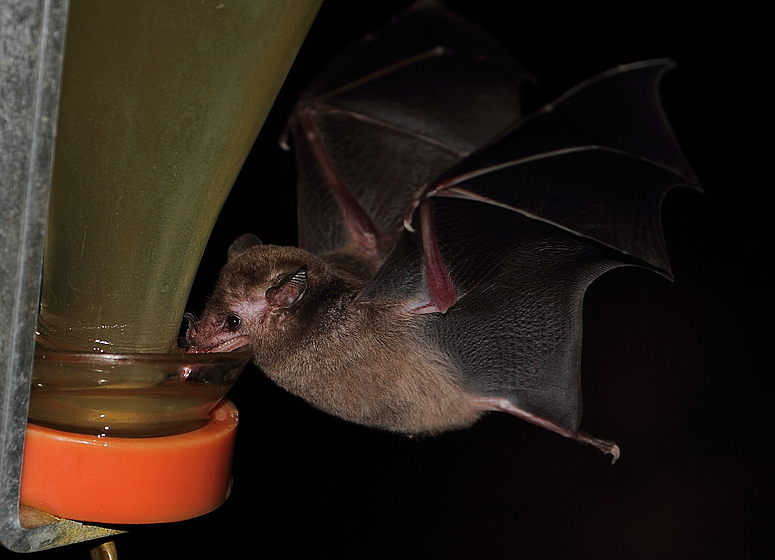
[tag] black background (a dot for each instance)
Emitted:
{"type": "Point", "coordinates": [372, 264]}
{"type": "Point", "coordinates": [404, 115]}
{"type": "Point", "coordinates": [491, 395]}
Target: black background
{"type": "Point", "coordinates": [678, 374]}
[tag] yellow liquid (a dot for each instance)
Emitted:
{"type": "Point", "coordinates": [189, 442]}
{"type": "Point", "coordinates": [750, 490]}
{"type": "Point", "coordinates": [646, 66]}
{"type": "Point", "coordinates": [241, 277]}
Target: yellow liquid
{"type": "Point", "coordinates": [126, 412]}
{"type": "Point", "coordinates": [129, 395]}
{"type": "Point", "coordinates": [161, 102]}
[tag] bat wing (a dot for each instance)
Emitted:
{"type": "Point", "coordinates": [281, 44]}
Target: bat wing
{"type": "Point", "coordinates": [371, 132]}
{"type": "Point", "coordinates": [501, 248]}
{"type": "Point", "coordinates": [412, 153]}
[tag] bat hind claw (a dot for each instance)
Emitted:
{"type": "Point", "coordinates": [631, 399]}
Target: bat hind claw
{"type": "Point", "coordinates": [604, 445]}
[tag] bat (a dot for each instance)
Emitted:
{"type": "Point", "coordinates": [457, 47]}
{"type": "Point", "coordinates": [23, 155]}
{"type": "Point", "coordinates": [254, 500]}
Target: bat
{"type": "Point", "coordinates": [445, 240]}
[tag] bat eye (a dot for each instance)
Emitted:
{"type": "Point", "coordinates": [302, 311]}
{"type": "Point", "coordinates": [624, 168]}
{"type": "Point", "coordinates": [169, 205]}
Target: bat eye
{"type": "Point", "coordinates": [233, 322]}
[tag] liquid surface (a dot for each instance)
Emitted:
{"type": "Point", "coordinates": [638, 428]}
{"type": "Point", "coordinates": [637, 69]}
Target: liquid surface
{"type": "Point", "coordinates": [126, 412]}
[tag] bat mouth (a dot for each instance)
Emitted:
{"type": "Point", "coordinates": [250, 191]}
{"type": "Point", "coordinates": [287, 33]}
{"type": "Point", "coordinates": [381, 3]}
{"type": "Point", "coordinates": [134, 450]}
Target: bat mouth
{"type": "Point", "coordinates": [236, 342]}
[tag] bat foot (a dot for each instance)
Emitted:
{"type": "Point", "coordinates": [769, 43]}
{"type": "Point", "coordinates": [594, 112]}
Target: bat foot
{"type": "Point", "coordinates": [604, 445]}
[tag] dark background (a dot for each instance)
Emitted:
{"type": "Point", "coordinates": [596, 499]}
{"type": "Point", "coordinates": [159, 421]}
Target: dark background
{"type": "Point", "coordinates": [678, 374]}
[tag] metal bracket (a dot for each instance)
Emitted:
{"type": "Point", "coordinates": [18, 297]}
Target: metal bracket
{"type": "Point", "coordinates": [32, 39]}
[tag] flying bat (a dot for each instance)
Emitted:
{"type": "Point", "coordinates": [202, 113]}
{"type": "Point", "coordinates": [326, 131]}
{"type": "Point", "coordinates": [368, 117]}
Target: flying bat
{"type": "Point", "coordinates": [445, 239]}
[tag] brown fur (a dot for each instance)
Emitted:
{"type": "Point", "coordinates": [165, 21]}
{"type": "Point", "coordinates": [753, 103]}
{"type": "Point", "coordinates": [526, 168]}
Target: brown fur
{"type": "Point", "coordinates": [364, 362]}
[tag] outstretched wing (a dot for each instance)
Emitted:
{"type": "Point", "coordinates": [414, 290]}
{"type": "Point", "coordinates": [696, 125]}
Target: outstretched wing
{"type": "Point", "coordinates": [503, 246]}
{"type": "Point", "coordinates": [411, 149]}
{"type": "Point", "coordinates": [389, 115]}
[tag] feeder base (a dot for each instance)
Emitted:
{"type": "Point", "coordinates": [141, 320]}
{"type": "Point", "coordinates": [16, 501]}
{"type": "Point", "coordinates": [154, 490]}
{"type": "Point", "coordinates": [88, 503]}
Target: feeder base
{"type": "Point", "coordinates": [130, 480]}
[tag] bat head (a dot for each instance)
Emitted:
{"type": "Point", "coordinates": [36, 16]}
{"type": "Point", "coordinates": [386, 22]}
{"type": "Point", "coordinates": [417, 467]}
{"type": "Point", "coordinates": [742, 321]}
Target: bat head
{"type": "Point", "coordinates": [258, 294]}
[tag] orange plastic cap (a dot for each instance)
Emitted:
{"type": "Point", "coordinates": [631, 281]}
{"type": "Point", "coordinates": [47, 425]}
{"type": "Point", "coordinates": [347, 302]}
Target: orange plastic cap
{"type": "Point", "coordinates": [130, 480]}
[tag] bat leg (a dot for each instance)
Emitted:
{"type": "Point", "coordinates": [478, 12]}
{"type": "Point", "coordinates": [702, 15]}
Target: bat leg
{"type": "Point", "coordinates": [605, 445]}
{"type": "Point", "coordinates": [505, 405]}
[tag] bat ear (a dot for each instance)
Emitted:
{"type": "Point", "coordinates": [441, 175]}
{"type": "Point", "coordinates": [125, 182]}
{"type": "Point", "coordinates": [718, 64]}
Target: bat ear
{"type": "Point", "coordinates": [289, 290]}
{"type": "Point", "coordinates": [242, 244]}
